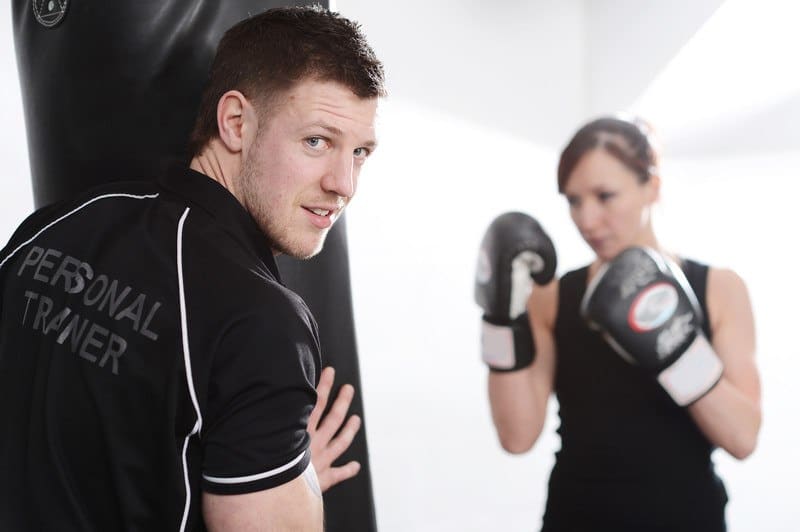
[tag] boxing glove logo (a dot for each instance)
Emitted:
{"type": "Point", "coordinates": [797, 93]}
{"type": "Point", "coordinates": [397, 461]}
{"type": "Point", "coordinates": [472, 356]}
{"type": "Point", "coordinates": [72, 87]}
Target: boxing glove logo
{"type": "Point", "coordinates": [674, 335]}
{"type": "Point", "coordinates": [634, 277]}
{"type": "Point", "coordinates": [653, 307]}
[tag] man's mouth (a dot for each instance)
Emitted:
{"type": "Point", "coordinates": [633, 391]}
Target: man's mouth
{"type": "Point", "coordinates": [323, 217]}
{"type": "Point", "coordinates": [320, 212]}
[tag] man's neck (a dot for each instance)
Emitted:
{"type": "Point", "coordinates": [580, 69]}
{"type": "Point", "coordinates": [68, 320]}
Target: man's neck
{"type": "Point", "coordinates": [218, 164]}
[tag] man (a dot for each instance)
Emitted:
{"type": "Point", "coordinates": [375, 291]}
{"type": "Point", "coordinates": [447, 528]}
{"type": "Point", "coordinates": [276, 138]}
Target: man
{"type": "Point", "coordinates": [157, 373]}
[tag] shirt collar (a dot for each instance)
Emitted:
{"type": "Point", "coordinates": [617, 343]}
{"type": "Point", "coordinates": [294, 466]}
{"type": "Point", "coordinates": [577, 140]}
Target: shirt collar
{"type": "Point", "coordinates": [221, 205]}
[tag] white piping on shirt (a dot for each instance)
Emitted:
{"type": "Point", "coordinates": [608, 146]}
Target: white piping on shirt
{"type": "Point", "coordinates": [70, 213]}
{"type": "Point", "coordinates": [257, 476]}
{"type": "Point", "coordinates": [184, 332]}
{"type": "Point", "coordinates": [188, 366]}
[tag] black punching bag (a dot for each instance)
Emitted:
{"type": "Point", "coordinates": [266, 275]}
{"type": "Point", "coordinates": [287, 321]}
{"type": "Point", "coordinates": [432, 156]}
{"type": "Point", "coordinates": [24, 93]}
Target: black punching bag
{"type": "Point", "coordinates": [110, 91]}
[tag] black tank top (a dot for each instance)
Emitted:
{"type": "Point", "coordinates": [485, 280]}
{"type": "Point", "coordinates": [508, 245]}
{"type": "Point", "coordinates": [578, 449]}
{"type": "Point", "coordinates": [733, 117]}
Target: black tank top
{"type": "Point", "coordinates": [630, 458]}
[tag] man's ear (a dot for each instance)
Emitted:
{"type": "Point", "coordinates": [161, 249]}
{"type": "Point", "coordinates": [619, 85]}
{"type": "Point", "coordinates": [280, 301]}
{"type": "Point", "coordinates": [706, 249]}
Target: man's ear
{"type": "Point", "coordinates": [237, 121]}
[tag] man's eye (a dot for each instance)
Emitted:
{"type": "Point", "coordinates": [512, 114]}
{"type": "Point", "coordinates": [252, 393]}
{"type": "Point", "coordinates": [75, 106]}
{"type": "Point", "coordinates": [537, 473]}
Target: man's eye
{"type": "Point", "coordinates": [315, 142]}
{"type": "Point", "coordinates": [361, 152]}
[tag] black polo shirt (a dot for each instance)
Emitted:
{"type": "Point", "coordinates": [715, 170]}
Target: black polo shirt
{"type": "Point", "coordinates": [148, 352]}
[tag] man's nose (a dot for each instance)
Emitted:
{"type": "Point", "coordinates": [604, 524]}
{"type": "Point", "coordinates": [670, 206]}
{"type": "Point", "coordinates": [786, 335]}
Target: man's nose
{"type": "Point", "coordinates": [341, 176]}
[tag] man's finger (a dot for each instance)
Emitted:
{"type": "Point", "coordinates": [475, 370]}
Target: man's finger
{"type": "Point", "coordinates": [335, 417]}
{"type": "Point", "coordinates": [342, 441]}
{"type": "Point", "coordinates": [334, 475]}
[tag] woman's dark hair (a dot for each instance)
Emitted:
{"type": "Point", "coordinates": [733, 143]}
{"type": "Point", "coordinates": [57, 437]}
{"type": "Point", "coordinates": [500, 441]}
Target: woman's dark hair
{"type": "Point", "coordinates": [627, 140]}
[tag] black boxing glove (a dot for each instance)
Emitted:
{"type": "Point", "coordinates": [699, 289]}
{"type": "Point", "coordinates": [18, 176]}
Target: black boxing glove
{"type": "Point", "coordinates": [647, 311]}
{"type": "Point", "coordinates": [514, 253]}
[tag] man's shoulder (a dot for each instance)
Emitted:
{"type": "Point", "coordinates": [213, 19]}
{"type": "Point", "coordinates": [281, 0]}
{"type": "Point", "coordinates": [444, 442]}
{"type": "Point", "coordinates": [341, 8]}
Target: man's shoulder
{"type": "Point", "coordinates": [111, 195]}
{"type": "Point", "coordinates": [112, 190]}
{"type": "Point", "coordinates": [227, 267]}
{"type": "Point", "coordinates": [81, 207]}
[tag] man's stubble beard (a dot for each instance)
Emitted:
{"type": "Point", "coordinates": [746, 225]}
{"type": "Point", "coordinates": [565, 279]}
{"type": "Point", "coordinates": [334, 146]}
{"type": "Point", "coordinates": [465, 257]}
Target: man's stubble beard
{"type": "Point", "coordinates": [278, 236]}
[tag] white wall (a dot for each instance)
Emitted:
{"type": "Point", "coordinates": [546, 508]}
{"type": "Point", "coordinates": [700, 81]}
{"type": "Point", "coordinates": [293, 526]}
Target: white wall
{"type": "Point", "coordinates": [512, 65]}
{"type": "Point", "coordinates": [629, 42]}
{"type": "Point", "coordinates": [729, 89]}
{"type": "Point", "coordinates": [740, 211]}
{"type": "Point", "coordinates": [424, 201]}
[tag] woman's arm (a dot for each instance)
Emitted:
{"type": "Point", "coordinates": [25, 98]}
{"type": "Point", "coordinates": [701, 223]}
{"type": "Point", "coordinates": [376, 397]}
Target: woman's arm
{"type": "Point", "coordinates": [730, 414]}
{"type": "Point", "coordinates": [519, 398]}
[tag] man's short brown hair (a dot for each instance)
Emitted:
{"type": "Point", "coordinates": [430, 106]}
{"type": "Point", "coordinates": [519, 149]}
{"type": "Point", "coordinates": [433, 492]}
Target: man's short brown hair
{"type": "Point", "coordinates": [264, 56]}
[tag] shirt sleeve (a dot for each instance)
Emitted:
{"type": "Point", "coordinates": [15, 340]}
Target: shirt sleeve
{"type": "Point", "coordinates": [261, 392]}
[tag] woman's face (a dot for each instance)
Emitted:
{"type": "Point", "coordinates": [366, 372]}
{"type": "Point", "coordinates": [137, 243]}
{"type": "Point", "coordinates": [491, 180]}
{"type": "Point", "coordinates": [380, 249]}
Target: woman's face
{"type": "Point", "coordinates": [609, 205]}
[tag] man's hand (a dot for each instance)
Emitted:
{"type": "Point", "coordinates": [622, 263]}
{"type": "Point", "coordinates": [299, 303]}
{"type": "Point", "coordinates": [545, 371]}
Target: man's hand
{"type": "Point", "coordinates": [325, 448]}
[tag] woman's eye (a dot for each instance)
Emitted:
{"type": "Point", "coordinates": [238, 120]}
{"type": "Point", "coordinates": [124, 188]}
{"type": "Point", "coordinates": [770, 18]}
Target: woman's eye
{"type": "Point", "coordinates": [605, 196]}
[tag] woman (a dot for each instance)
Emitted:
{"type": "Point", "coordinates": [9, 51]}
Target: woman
{"type": "Point", "coordinates": [631, 458]}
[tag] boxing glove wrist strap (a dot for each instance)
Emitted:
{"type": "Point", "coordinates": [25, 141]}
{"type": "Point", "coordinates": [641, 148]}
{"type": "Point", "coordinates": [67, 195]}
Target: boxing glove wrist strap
{"type": "Point", "coordinates": [694, 374]}
{"type": "Point", "coordinates": [507, 347]}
